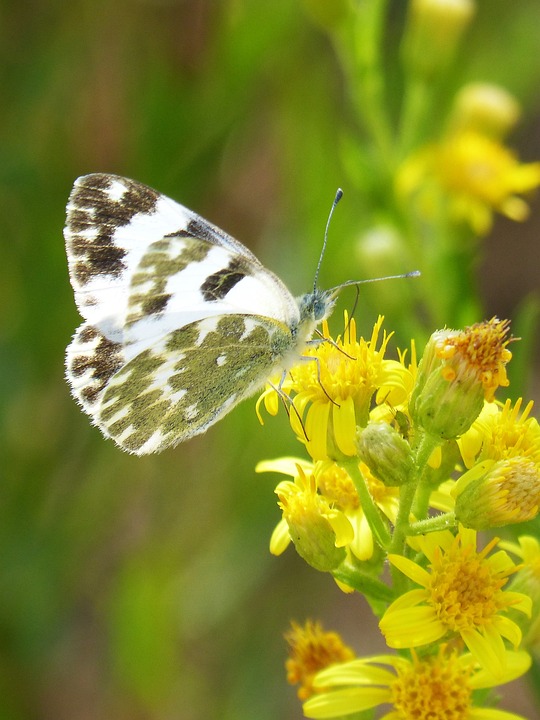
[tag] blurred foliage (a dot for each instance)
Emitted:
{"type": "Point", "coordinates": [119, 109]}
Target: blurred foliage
{"type": "Point", "coordinates": [143, 588]}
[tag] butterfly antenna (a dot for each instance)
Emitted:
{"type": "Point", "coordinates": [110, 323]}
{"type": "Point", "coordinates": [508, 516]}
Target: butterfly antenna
{"type": "Point", "coordinates": [339, 195]}
{"type": "Point", "coordinates": [412, 274]}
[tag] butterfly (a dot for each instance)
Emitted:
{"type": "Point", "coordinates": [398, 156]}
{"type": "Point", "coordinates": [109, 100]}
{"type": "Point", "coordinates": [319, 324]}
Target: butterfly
{"type": "Point", "coordinates": [181, 321]}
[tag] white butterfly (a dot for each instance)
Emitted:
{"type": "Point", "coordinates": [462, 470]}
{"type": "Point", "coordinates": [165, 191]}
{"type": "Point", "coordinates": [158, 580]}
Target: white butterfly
{"type": "Point", "coordinates": [182, 321]}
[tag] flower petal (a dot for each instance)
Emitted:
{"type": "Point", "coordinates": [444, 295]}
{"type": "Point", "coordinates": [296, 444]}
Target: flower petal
{"type": "Point", "coordinates": [412, 627]}
{"type": "Point", "coordinates": [508, 629]}
{"type": "Point", "coordinates": [488, 650]}
{"type": "Point", "coordinates": [280, 538]}
{"type": "Point", "coordinates": [344, 420]}
{"type": "Point", "coordinates": [411, 569]}
{"type": "Point", "coordinates": [344, 702]}
{"type": "Point", "coordinates": [317, 430]}
{"type": "Point", "coordinates": [517, 664]}
{"type": "Point", "coordinates": [284, 466]}
{"type": "Point", "coordinates": [357, 672]}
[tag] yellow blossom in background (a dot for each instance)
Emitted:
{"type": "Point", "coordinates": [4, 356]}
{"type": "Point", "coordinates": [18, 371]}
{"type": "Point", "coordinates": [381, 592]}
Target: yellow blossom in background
{"type": "Point", "coordinates": [312, 649]}
{"type": "Point", "coordinates": [436, 686]}
{"type": "Point", "coordinates": [338, 490]}
{"type": "Point", "coordinates": [527, 580]}
{"type": "Point", "coordinates": [434, 29]}
{"type": "Point", "coordinates": [485, 108]}
{"type": "Point", "coordinates": [461, 594]}
{"type": "Point", "coordinates": [471, 174]}
{"type": "Point", "coordinates": [332, 392]}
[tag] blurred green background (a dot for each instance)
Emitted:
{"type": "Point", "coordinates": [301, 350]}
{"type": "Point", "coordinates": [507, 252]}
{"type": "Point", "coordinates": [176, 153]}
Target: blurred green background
{"type": "Point", "coordinates": [143, 588]}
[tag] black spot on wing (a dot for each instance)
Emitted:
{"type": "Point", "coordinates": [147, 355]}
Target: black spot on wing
{"type": "Point", "coordinates": [217, 285]}
{"type": "Point", "coordinates": [199, 228]}
{"type": "Point", "coordinates": [155, 304]}
{"type": "Point", "coordinates": [93, 218]}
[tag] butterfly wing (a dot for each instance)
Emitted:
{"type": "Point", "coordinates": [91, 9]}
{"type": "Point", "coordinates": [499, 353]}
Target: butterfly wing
{"type": "Point", "coordinates": [120, 234]}
{"type": "Point", "coordinates": [189, 380]}
{"type": "Point", "coordinates": [144, 269]}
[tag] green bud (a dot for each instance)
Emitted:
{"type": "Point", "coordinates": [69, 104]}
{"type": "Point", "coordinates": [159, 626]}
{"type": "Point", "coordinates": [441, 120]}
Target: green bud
{"type": "Point", "coordinates": [315, 542]}
{"type": "Point", "coordinates": [498, 493]}
{"type": "Point", "coordinates": [484, 108]}
{"type": "Point", "coordinates": [434, 29]}
{"type": "Point", "coordinates": [318, 530]}
{"type": "Point", "coordinates": [386, 453]}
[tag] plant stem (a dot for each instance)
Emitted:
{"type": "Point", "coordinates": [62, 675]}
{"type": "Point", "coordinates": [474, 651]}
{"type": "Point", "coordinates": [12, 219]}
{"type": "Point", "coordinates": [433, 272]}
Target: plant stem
{"type": "Point", "coordinates": [376, 523]}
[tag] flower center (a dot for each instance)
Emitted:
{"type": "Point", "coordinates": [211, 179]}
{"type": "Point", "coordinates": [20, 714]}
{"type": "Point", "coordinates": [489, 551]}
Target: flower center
{"type": "Point", "coordinates": [337, 486]}
{"type": "Point", "coordinates": [519, 489]}
{"type": "Point", "coordinates": [480, 348]}
{"type": "Point", "coordinates": [464, 591]}
{"type": "Point", "coordinates": [432, 688]}
{"type": "Point", "coordinates": [311, 649]}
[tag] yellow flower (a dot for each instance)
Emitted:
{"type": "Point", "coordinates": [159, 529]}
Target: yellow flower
{"type": "Point", "coordinates": [473, 174]}
{"type": "Point", "coordinates": [437, 686]}
{"type": "Point", "coordinates": [332, 392]}
{"type": "Point", "coordinates": [312, 649]}
{"type": "Point", "coordinates": [499, 434]}
{"type": "Point", "coordinates": [337, 489]}
{"type": "Point", "coordinates": [458, 370]}
{"type": "Point", "coordinates": [318, 530]}
{"type": "Point", "coordinates": [462, 595]}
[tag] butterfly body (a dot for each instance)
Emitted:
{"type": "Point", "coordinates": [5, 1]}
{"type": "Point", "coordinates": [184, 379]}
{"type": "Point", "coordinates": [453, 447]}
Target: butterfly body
{"type": "Point", "coordinates": [182, 321]}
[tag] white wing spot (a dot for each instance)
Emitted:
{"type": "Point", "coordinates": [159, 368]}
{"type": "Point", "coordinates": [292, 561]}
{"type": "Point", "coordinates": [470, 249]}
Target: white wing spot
{"type": "Point", "coordinates": [210, 325]}
{"type": "Point", "coordinates": [191, 412]}
{"type": "Point", "coordinates": [116, 191]}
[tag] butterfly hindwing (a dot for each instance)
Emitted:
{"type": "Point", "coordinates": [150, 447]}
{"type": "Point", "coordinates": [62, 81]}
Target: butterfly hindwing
{"type": "Point", "coordinates": [91, 360]}
{"type": "Point", "coordinates": [192, 377]}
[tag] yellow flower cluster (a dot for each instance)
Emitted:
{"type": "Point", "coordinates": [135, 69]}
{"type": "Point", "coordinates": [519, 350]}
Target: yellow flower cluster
{"type": "Point", "coordinates": [389, 440]}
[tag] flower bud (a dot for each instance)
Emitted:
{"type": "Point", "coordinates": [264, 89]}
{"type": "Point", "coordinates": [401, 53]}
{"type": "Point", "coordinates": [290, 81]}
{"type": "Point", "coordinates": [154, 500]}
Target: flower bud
{"type": "Point", "coordinates": [434, 29]}
{"type": "Point", "coordinates": [458, 370]}
{"type": "Point", "coordinates": [497, 493]}
{"type": "Point", "coordinates": [484, 108]}
{"type": "Point", "coordinates": [386, 453]}
{"type": "Point", "coordinates": [318, 531]}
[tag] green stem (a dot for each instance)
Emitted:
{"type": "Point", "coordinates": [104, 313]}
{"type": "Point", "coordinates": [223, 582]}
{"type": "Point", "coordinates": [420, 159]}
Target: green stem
{"type": "Point", "coordinates": [359, 46]}
{"type": "Point", "coordinates": [406, 499]}
{"type": "Point", "coordinates": [413, 113]}
{"type": "Point", "coordinates": [368, 586]}
{"type": "Point", "coordinates": [371, 511]}
{"type": "Point", "coordinates": [424, 448]}
{"type": "Point", "coordinates": [421, 501]}
{"type": "Point", "coordinates": [433, 524]}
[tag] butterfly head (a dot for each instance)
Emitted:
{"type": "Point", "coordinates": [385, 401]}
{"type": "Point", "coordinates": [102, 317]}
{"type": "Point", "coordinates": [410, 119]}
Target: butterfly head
{"type": "Point", "coordinates": [316, 305]}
